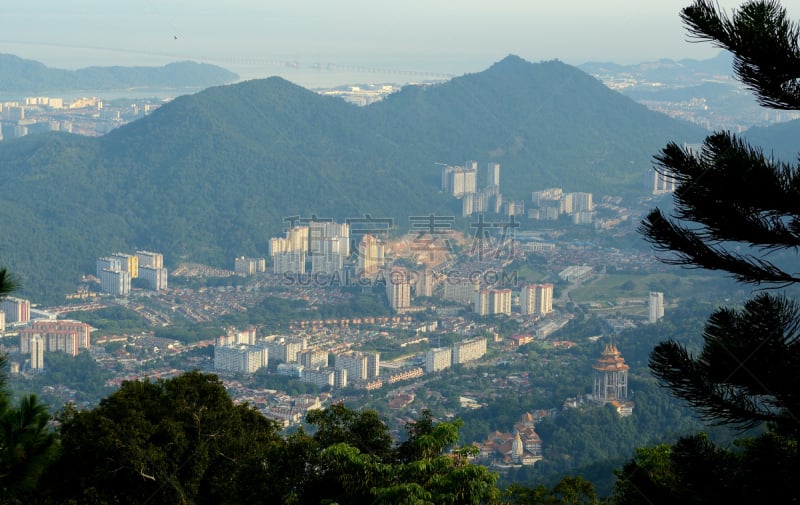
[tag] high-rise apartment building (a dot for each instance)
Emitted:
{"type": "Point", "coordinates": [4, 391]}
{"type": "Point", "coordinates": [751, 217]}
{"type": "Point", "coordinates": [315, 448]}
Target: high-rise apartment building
{"type": "Point", "coordinates": [459, 181]}
{"type": "Point", "coordinates": [116, 282]}
{"type": "Point", "coordinates": [240, 358]}
{"type": "Point", "coordinates": [150, 259]}
{"type": "Point", "coordinates": [482, 305]}
{"type": "Point", "coordinates": [290, 262]}
{"type": "Point", "coordinates": [108, 263]}
{"type": "Point", "coordinates": [425, 283]}
{"type": "Point", "coordinates": [373, 364]}
{"type": "Point", "coordinates": [656, 306]}
{"type": "Point", "coordinates": [492, 174]}
{"type": "Point", "coordinates": [249, 266]}
{"type": "Point", "coordinates": [355, 364]}
{"type": "Point", "coordinates": [360, 366]}
{"type": "Point", "coordinates": [37, 353]}
{"type": "Point", "coordinates": [322, 377]}
{"type": "Point", "coordinates": [582, 202]}
{"type": "Point", "coordinates": [492, 301]}
{"type": "Point", "coordinates": [130, 263]}
{"type": "Point", "coordinates": [327, 263]}
{"type": "Point", "coordinates": [16, 310]}
{"type": "Point", "coordinates": [460, 289]}
{"type": "Point", "coordinates": [297, 237]}
{"type": "Point", "coordinates": [314, 358]}
{"type": "Point", "coordinates": [370, 255]}
{"type": "Point", "coordinates": [65, 336]}
{"type": "Point", "coordinates": [660, 183]}
{"type": "Point", "coordinates": [438, 359]}
{"type": "Point", "coordinates": [469, 350]}
{"type": "Point", "coordinates": [329, 236]}
{"type": "Point", "coordinates": [536, 299]}
{"type": "Point", "coordinates": [284, 349]}
{"type": "Point", "coordinates": [501, 301]}
{"type": "Point", "coordinates": [398, 290]}
{"type": "Point", "coordinates": [278, 245]}
{"type": "Point", "coordinates": [153, 277]}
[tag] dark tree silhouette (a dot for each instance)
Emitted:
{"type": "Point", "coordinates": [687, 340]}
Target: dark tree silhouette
{"type": "Point", "coordinates": [738, 211]}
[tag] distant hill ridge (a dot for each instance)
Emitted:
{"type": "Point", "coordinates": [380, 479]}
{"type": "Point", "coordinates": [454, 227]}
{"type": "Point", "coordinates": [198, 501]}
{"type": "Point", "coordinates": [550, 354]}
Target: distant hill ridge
{"type": "Point", "coordinates": [213, 175]}
{"type": "Point", "coordinates": [28, 76]}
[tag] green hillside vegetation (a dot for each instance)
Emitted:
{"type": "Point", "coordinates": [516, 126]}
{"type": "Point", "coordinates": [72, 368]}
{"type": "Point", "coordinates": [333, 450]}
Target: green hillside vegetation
{"type": "Point", "coordinates": [212, 175]}
{"type": "Point", "coordinates": [610, 288]}
{"type": "Point", "coordinates": [27, 76]}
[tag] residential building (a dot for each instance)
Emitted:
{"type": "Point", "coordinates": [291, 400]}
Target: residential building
{"type": "Point", "coordinates": [37, 353]}
{"type": "Point", "coordinates": [313, 358]}
{"type": "Point", "coordinates": [355, 363]}
{"type": "Point", "coordinates": [536, 299]}
{"type": "Point", "coordinates": [425, 283]}
{"type": "Point", "coordinates": [150, 259]}
{"type": "Point", "coordinates": [16, 310]}
{"type": "Point", "coordinates": [129, 263]}
{"type": "Point", "coordinates": [482, 305]}
{"type": "Point", "coordinates": [290, 262]}
{"type": "Point", "coordinates": [398, 290]}
{"type": "Point", "coordinates": [321, 377]}
{"type": "Point", "coordinates": [115, 282]}
{"type": "Point", "coordinates": [469, 350]}
{"type": "Point", "coordinates": [438, 359]}
{"type": "Point", "coordinates": [656, 307]}
{"type": "Point", "coordinates": [249, 266]}
{"type": "Point", "coordinates": [492, 174]}
{"type": "Point", "coordinates": [461, 289]}
{"type": "Point", "coordinates": [241, 358]}
{"type": "Point", "coordinates": [61, 335]}
{"type": "Point", "coordinates": [501, 301]}
{"type": "Point", "coordinates": [154, 278]}
{"type": "Point", "coordinates": [108, 263]}
{"type": "Point", "coordinates": [370, 255]}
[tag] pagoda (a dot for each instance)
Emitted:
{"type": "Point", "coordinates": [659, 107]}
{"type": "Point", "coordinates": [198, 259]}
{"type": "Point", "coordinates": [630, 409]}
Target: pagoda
{"type": "Point", "coordinates": [611, 380]}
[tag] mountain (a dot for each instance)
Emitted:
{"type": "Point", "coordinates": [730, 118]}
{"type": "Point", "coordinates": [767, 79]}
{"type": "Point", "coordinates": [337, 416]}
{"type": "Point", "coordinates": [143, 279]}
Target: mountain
{"type": "Point", "coordinates": [671, 73]}
{"type": "Point", "coordinates": [27, 76]}
{"type": "Point", "coordinates": [780, 140]}
{"type": "Point", "coordinates": [213, 175]}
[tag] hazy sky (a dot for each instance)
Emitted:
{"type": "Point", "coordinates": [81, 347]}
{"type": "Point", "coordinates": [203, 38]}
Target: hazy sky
{"type": "Point", "coordinates": [258, 38]}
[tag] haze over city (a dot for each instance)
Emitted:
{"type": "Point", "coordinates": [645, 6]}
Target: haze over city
{"type": "Point", "coordinates": [324, 44]}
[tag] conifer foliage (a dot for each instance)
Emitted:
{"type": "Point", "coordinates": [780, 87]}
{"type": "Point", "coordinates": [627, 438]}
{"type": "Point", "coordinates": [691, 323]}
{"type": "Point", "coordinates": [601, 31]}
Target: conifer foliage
{"type": "Point", "coordinates": [736, 210]}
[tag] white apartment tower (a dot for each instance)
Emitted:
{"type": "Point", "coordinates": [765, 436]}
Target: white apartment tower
{"type": "Point", "coordinates": [290, 262]}
{"type": "Point", "coordinates": [536, 299]}
{"type": "Point", "coordinates": [154, 277]}
{"type": "Point", "coordinates": [116, 282]}
{"type": "Point", "coordinates": [370, 255]}
{"type": "Point", "coordinates": [398, 290]}
{"type": "Point", "coordinates": [469, 350]}
{"type": "Point", "coordinates": [492, 174]}
{"type": "Point", "coordinates": [37, 353]}
{"type": "Point", "coordinates": [241, 358]}
{"type": "Point", "coordinates": [438, 359]}
{"type": "Point", "coordinates": [656, 306]}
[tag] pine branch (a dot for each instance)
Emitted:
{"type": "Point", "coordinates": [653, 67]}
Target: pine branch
{"type": "Point", "coordinates": [689, 248]}
{"type": "Point", "coordinates": [764, 43]}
